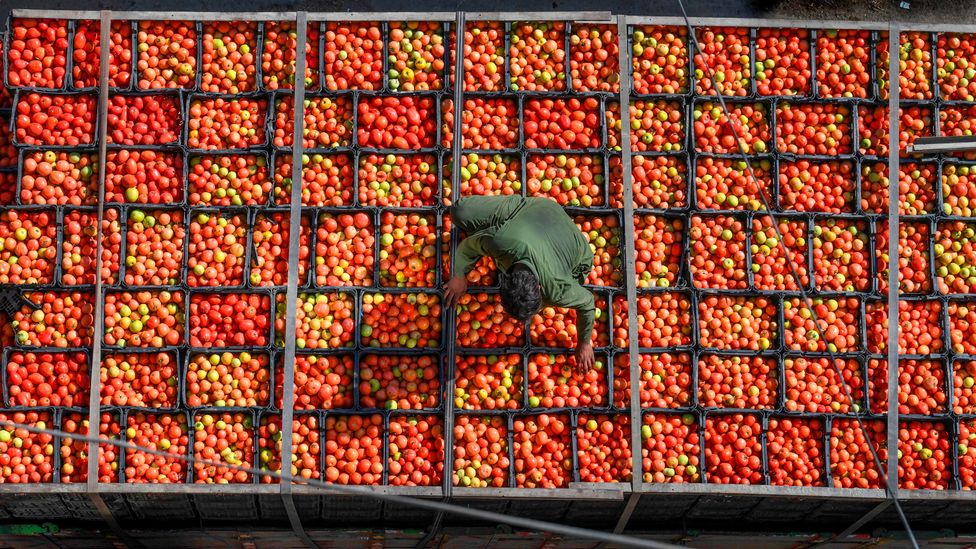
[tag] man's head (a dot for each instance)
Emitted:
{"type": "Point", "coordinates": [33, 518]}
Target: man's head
{"type": "Point", "coordinates": [521, 293]}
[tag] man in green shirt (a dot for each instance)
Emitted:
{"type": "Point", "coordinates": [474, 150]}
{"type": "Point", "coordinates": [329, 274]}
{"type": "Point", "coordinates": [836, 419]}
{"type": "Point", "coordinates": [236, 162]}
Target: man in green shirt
{"type": "Point", "coordinates": [541, 255]}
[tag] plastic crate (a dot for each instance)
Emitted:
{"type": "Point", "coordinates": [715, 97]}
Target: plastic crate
{"type": "Point", "coordinates": [405, 515]}
{"type": "Point", "coordinates": [782, 510]}
{"type": "Point", "coordinates": [593, 512]}
{"type": "Point", "coordinates": [655, 507]}
{"type": "Point", "coordinates": [722, 508]}
{"type": "Point", "coordinates": [351, 510]}
{"type": "Point", "coordinates": [549, 510]}
{"type": "Point", "coordinates": [308, 507]}
{"type": "Point", "coordinates": [37, 507]}
{"type": "Point", "coordinates": [161, 507]}
{"type": "Point", "coordinates": [83, 508]}
{"type": "Point", "coordinates": [232, 508]}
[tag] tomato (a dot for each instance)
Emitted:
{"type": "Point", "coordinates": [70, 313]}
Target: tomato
{"type": "Point", "coordinates": [78, 247]}
{"type": "Point", "coordinates": [416, 56]}
{"type": "Point", "coordinates": [488, 382]}
{"type": "Point", "coordinates": [812, 385]}
{"type": "Point", "coordinates": [783, 61]}
{"type": "Point", "coordinates": [223, 438]}
{"type": "Point", "coordinates": [167, 54]}
{"type": "Point", "coordinates": [144, 319]}
{"type": "Point", "coordinates": [74, 458]}
{"type": "Point", "coordinates": [660, 60]}
{"type": "Point", "coordinates": [407, 250]}
{"type": "Point", "coordinates": [665, 380]}
{"type": "Point", "coordinates": [161, 432]}
{"type": "Point", "coordinates": [223, 124]}
{"type": "Point", "coordinates": [555, 382]}
{"type": "Point", "coordinates": [86, 52]}
{"type": "Point", "coordinates": [843, 57]}
{"type": "Point", "coordinates": [306, 445]}
{"type": "Point", "coordinates": [483, 323]}
{"type": "Point", "coordinates": [813, 129]}
{"type": "Point", "coordinates": [481, 452]}
{"type": "Point", "coordinates": [542, 451]}
{"type": "Point", "coordinates": [354, 449]}
{"type": "Point", "coordinates": [733, 449]}
{"type": "Point", "coordinates": [148, 380]}
{"type": "Point", "coordinates": [603, 233]}
{"type": "Point", "coordinates": [323, 321]}
{"type": "Point", "coordinates": [228, 59]}
{"type": "Point", "coordinates": [725, 53]}
{"type": "Point", "coordinates": [796, 452]}
{"type": "Point", "coordinates": [353, 56]}
{"type": "Point", "coordinates": [29, 248]}
{"type": "Point", "coordinates": [603, 448]}
{"type": "Point", "coordinates": [737, 382]}
{"type": "Point", "coordinates": [486, 123]}
{"type": "Point", "coordinates": [594, 58]}
{"type": "Point", "coordinates": [47, 379]}
{"type": "Point", "coordinates": [397, 382]}
{"type": "Point", "coordinates": [416, 451]}
{"type": "Point", "coordinates": [739, 322]}
{"type": "Point", "coordinates": [328, 122]}
{"type": "Point", "coordinates": [38, 53]}
{"type": "Point", "coordinates": [484, 55]}
{"type": "Point", "coordinates": [838, 320]}
{"type": "Point", "coordinates": [228, 379]}
{"type": "Point", "coordinates": [400, 320]}
{"type": "Point", "coordinates": [322, 382]}
{"type": "Point", "coordinates": [25, 456]}
{"type": "Point", "coordinates": [663, 320]}
{"type": "Point", "coordinates": [538, 56]}
{"type": "Point", "coordinates": [344, 249]}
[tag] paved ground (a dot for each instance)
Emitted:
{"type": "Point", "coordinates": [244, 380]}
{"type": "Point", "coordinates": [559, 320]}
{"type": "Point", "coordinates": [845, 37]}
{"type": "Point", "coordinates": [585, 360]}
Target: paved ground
{"type": "Point", "coordinates": [932, 11]}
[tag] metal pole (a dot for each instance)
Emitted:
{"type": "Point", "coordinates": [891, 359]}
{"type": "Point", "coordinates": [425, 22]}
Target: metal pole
{"type": "Point", "coordinates": [630, 274]}
{"type": "Point", "coordinates": [456, 147]}
{"type": "Point", "coordinates": [95, 397]}
{"type": "Point", "coordinates": [893, 286]}
{"type": "Point", "coordinates": [291, 294]}
{"type": "Point", "coordinates": [98, 325]}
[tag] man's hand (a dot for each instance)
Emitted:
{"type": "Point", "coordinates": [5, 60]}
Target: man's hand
{"type": "Point", "coordinates": [454, 289]}
{"type": "Point", "coordinates": [584, 356]}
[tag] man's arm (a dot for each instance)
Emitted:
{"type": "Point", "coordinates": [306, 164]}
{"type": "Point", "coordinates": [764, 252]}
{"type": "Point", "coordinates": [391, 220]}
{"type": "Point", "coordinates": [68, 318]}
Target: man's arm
{"type": "Point", "coordinates": [579, 298]}
{"type": "Point", "coordinates": [467, 254]}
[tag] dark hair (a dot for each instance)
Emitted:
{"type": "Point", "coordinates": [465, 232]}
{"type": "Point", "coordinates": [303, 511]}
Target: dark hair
{"type": "Point", "coordinates": [521, 294]}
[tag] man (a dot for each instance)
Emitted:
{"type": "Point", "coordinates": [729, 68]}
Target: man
{"type": "Point", "coordinates": [541, 256]}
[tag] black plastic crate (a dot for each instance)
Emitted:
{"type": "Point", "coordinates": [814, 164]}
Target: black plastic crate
{"type": "Point", "coordinates": [722, 508]}
{"type": "Point", "coordinates": [593, 512]}
{"type": "Point", "coordinates": [660, 507]}
{"type": "Point", "coordinates": [273, 508]}
{"type": "Point", "coordinates": [782, 510]}
{"type": "Point", "coordinates": [551, 510]}
{"type": "Point", "coordinates": [230, 508]}
{"type": "Point", "coordinates": [162, 507]}
{"type": "Point", "coordinates": [38, 507]}
{"type": "Point", "coordinates": [347, 510]}
{"type": "Point", "coordinates": [406, 515]}
{"type": "Point", "coordinates": [82, 507]}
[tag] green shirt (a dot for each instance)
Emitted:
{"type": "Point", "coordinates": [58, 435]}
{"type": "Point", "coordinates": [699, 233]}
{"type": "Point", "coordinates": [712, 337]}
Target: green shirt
{"type": "Point", "coordinates": [537, 233]}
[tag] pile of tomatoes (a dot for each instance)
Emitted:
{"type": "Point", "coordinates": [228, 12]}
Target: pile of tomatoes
{"type": "Point", "coordinates": [736, 213]}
